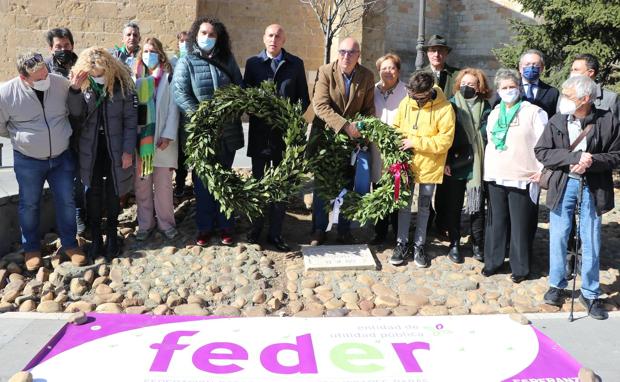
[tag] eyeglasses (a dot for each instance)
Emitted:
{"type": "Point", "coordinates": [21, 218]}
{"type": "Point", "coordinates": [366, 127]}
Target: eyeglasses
{"type": "Point", "coordinates": [344, 52]}
{"type": "Point", "coordinates": [33, 61]}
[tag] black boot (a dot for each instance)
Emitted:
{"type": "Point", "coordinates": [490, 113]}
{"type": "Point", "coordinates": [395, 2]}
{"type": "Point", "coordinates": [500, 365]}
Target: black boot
{"type": "Point", "coordinates": [420, 258]}
{"type": "Point", "coordinates": [96, 246]}
{"type": "Point", "coordinates": [477, 253]}
{"type": "Point", "coordinates": [112, 245]}
{"type": "Point", "coordinates": [454, 255]}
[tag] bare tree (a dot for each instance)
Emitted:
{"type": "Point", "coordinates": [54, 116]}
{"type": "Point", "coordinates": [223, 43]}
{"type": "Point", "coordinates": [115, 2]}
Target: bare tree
{"type": "Point", "coordinates": [333, 15]}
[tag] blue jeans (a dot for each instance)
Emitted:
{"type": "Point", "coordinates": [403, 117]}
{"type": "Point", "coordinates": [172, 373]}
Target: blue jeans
{"type": "Point", "coordinates": [31, 175]}
{"type": "Point", "coordinates": [320, 220]}
{"type": "Point", "coordinates": [208, 213]}
{"type": "Point", "coordinates": [561, 221]}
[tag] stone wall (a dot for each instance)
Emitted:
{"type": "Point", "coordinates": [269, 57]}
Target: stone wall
{"type": "Point", "coordinates": [23, 23]}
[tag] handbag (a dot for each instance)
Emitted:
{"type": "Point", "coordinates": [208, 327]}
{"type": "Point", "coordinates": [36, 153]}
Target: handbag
{"type": "Point", "coordinates": [461, 156]}
{"type": "Point", "coordinates": [546, 173]}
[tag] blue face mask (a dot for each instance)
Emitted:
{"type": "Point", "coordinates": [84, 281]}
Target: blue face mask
{"type": "Point", "coordinates": [150, 59]}
{"type": "Point", "coordinates": [531, 73]}
{"type": "Point", "coordinates": [207, 44]}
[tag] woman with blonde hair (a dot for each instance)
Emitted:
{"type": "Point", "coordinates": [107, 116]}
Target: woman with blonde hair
{"type": "Point", "coordinates": [158, 122]}
{"type": "Point", "coordinates": [102, 98]}
{"type": "Point", "coordinates": [463, 170]}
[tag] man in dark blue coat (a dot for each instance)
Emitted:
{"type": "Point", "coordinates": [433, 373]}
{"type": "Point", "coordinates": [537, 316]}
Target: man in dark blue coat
{"type": "Point", "coordinates": [266, 144]}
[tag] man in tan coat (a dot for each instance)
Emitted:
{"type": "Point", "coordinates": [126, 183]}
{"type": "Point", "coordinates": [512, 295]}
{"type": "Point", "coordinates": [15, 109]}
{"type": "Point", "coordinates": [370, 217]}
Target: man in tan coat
{"type": "Point", "coordinates": [344, 88]}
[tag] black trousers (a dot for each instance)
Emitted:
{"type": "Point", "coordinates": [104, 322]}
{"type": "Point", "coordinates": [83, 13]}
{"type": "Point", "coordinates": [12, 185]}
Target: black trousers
{"type": "Point", "coordinates": [439, 213]}
{"type": "Point", "coordinates": [454, 192]}
{"type": "Point", "coordinates": [102, 190]}
{"type": "Point", "coordinates": [276, 211]}
{"type": "Point", "coordinates": [181, 171]}
{"type": "Point", "coordinates": [509, 218]}
{"type": "Point", "coordinates": [382, 226]}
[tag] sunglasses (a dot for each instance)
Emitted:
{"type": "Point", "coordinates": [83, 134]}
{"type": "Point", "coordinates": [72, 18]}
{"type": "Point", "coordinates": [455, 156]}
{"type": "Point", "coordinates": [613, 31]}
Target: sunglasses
{"type": "Point", "coordinates": [33, 61]}
{"type": "Point", "coordinates": [344, 52]}
{"type": "Point", "coordinates": [420, 96]}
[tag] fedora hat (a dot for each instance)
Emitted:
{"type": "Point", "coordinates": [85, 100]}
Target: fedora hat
{"type": "Point", "coordinates": [436, 40]}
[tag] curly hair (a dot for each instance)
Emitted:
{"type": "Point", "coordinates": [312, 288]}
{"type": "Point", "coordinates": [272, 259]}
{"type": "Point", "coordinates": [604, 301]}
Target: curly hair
{"type": "Point", "coordinates": [159, 49]}
{"type": "Point", "coordinates": [223, 48]}
{"type": "Point", "coordinates": [484, 91]}
{"type": "Point", "coordinates": [115, 72]}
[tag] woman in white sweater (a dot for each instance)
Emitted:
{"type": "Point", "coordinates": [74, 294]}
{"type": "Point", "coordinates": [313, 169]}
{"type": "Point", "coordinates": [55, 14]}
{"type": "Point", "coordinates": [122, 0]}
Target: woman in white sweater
{"type": "Point", "coordinates": [389, 91]}
{"type": "Point", "coordinates": [511, 171]}
{"type": "Point", "coordinates": [158, 122]}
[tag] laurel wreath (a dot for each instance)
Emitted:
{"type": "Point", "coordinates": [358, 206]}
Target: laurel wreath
{"type": "Point", "coordinates": [329, 167]}
{"type": "Point", "coordinates": [240, 194]}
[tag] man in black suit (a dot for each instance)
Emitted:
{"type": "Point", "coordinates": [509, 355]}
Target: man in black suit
{"type": "Point", "coordinates": [266, 145]}
{"type": "Point", "coordinates": [534, 90]}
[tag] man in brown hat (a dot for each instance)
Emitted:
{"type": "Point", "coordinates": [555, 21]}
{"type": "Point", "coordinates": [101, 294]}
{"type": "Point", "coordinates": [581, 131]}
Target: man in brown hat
{"type": "Point", "coordinates": [437, 51]}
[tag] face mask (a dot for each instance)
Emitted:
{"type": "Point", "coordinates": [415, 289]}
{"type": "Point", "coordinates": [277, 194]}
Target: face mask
{"type": "Point", "coordinates": [182, 49]}
{"type": "Point", "coordinates": [41, 85]}
{"type": "Point", "coordinates": [150, 59]}
{"type": "Point", "coordinates": [531, 73]}
{"type": "Point", "coordinates": [509, 95]}
{"type": "Point", "coordinates": [207, 44]}
{"type": "Point", "coordinates": [65, 57]}
{"type": "Point", "coordinates": [467, 92]}
{"type": "Point", "coordinates": [99, 80]}
{"type": "Point", "coordinates": [567, 106]}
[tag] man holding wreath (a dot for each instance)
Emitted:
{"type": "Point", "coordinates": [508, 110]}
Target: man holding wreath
{"type": "Point", "coordinates": [266, 144]}
{"type": "Point", "coordinates": [344, 88]}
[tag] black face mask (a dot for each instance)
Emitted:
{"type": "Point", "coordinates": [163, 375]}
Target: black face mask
{"type": "Point", "coordinates": [467, 92]}
{"type": "Point", "coordinates": [65, 57]}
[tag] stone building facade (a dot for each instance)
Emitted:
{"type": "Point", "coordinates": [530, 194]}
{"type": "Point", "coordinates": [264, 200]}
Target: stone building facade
{"type": "Point", "coordinates": [472, 27]}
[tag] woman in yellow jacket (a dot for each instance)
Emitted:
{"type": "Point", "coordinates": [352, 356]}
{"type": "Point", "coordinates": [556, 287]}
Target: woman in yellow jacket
{"type": "Point", "coordinates": [425, 119]}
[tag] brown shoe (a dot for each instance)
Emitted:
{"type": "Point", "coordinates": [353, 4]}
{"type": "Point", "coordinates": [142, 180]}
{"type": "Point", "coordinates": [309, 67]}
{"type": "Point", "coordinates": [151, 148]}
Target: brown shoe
{"type": "Point", "coordinates": [77, 257]}
{"type": "Point", "coordinates": [318, 238]}
{"type": "Point", "coordinates": [33, 260]}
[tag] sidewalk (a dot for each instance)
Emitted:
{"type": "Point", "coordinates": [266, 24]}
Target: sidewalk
{"type": "Point", "coordinates": [595, 344]}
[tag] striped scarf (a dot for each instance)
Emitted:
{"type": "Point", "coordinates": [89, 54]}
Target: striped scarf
{"type": "Point", "coordinates": [146, 89]}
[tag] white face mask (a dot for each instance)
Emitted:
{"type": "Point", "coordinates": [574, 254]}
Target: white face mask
{"type": "Point", "coordinates": [99, 80]}
{"type": "Point", "coordinates": [509, 95]}
{"type": "Point", "coordinates": [41, 85]}
{"type": "Point", "coordinates": [567, 106]}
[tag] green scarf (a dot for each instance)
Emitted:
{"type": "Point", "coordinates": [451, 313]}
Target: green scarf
{"type": "Point", "coordinates": [145, 89]}
{"type": "Point", "coordinates": [500, 130]}
{"type": "Point", "coordinates": [98, 89]}
{"type": "Point", "coordinates": [470, 119]}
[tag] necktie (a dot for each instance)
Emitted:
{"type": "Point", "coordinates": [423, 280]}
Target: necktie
{"type": "Point", "coordinates": [530, 92]}
{"type": "Point", "coordinates": [274, 65]}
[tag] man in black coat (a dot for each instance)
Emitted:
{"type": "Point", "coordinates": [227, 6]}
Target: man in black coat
{"type": "Point", "coordinates": [581, 145]}
{"type": "Point", "coordinates": [266, 144]}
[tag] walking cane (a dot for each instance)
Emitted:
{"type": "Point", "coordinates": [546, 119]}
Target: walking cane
{"type": "Point", "coordinates": [577, 246]}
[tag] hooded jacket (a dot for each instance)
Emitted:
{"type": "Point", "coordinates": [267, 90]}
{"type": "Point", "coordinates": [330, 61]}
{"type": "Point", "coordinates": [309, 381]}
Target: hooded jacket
{"type": "Point", "coordinates": [431, 128]}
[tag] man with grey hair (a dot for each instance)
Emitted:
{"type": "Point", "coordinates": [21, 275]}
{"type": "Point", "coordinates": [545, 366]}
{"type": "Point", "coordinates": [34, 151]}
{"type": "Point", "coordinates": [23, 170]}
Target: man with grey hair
{"type": "Point", "coordinates": [581, 145]}
{"type": "Point", "coordinates": [33, 113]}
{"type": "Point", "coordinates": [128, 52]}
{"type": "Point", "coordinates": [534, 90]}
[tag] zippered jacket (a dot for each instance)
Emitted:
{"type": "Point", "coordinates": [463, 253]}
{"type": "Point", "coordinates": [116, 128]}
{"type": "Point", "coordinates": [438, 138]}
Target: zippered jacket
{"type": "Point", "coordinates": [36, 130]}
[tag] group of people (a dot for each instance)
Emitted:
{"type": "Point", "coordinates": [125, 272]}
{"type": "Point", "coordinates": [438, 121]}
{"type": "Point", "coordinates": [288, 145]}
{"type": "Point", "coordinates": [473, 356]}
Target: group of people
{"type": "Point", "coordinates": [107, 121]}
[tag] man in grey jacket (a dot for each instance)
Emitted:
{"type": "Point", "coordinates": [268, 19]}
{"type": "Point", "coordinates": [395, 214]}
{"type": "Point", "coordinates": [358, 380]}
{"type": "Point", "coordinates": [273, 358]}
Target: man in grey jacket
{"type": "Point", "coordinates": [33, 113]}
{"type": "Point", "coordinates": [588, 65]}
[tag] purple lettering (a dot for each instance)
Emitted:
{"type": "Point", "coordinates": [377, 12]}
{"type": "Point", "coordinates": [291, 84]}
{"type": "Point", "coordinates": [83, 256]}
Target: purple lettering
{"type": "Point", "coordinates": [203, 356]}
{"type": "Point", "coordinates": [166, 348]}
{"type": "Point", "coordinates": [405, 353]}
{"type": "Point", "coordinates": [305, 354]}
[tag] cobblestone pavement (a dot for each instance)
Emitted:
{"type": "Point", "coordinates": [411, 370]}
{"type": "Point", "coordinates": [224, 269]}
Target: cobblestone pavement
{"type": "Point", "coordinates": [177, 277]}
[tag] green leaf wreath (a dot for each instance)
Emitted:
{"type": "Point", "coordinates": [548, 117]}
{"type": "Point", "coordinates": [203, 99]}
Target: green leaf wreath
{"type": "Point", "coordinates": [246, 195]}
{"type": "Point", "coordinates": [329, 167]}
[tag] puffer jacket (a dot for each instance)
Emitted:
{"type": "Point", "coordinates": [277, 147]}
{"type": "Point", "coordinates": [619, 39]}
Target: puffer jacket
{"type": "Point", "coordinates": [120, 121]}
{"type": "Point", "coordinates": [196, 80]}
{"type": "Point", "coordinates": [431, 129]}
